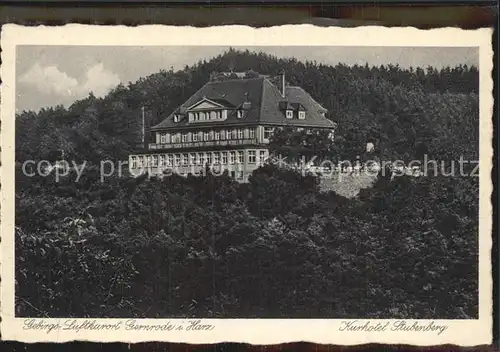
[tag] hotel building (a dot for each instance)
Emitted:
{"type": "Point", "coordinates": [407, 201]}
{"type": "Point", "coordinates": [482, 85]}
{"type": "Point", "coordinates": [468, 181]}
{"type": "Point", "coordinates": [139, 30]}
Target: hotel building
{"type": "Point", "coordinates": [227, 125]}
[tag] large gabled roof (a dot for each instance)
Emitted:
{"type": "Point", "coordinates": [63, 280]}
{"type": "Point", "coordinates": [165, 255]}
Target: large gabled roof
{"type": "Point", "coordinates": [264, 105]}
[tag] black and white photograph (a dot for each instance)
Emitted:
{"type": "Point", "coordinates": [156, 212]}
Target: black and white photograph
{"type": "Point", "coordinates": [202, 183]}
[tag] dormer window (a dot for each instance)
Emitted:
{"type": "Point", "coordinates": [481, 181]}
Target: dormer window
{"type": "Point", "coordinates": [289, 114]}
{"type": "Point", "coordinates": [177, 118]}
{"type": "Point", "coordinates": [302, 115]}
{"type": "Point", "coordinates": [239, 114]}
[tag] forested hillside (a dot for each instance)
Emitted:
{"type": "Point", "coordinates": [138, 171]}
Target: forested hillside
{"type": "Point", "coordinates": [275, 247]}
{"type": "Point", "coordinates": [405, 112]}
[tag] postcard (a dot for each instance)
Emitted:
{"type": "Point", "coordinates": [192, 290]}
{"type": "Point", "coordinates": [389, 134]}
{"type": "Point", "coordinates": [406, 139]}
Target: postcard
{"type": "Point", "coordinates": [235, 184]}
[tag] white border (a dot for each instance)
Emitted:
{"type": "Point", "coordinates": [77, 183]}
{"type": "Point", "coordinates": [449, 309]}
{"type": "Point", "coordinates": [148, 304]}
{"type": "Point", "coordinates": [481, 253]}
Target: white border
{"type": "Point", "coordinates": [256, 331]}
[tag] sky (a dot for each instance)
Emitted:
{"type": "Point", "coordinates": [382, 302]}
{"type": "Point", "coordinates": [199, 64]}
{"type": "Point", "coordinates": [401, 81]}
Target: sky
{"type": "Point", "coordinates": [51, 75]}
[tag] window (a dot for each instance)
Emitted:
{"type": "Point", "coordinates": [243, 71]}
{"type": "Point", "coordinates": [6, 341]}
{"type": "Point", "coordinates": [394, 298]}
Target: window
{"type": "Point", "coordinates": [233, 134]}
{"type": "Point", "coordinates": [205, 136]}
{"type": "Point", "coordinates": [198, 159]}
{"type": "Point", "coordinates": [268, 131]}
{"type": "Point", "coordinates": [176, 138]}
{"type": "Point", "coordinates": [169, 160]}
{"type": "Point", "coordinates": [184, 137]}
{"type": "Point", "coordinates": [252, 133]}
{"type": "Point", "coordinates": [202, 116]}
{"type": "Point", "coordinates": [262, 156]}
{"type": "Point", "coordinates": [160, 160]}
{"type": "Point", "coordinates": [167, 138]}
{"type": "Point", "coordinates": [213, 115]}
{"type": "Point", "coordinates": [148, 160]}
{"type": "Point", "coordinates": [162, 138]}
{"type": "Point", "coordinates": [209, 158]}
{"type": "Point", "coordinates": [184, 159]}
{"type": "Point", "coordinates": [232, 157]}
{"type": "Point", "coordinates": [191, 116]}
{"type": "Point", "coordinates": [217, 135]}
{"type": "Point", "coordinates": [302, 115]}
{"type": "Point", "coordinates": [240, 134]}
{"type": "Point", "coordinates": [251, 156]}
{"type": "Point", "coordinates": [240, 175]}
{"type": "Point", "coordinates": [191, 159]}
{"type": "Point", "coordinates": [195, 137]}
{"type": "Point", "coordinates": [216, 158]}
{"type": "Point", "coordinates": [133, 162]}
{"type": "Point", "coordinates": [224, 158]}
{"type": "Point", "coordinates": [177, 118]}
{"type": "Point", "coordinates": [289, 114]}
{"type": "Point", "coordinates": [239, 114]}
{"type": "Point", "coordinates": [223, 134]}
{"type": "Point", "coordinates": [241, 157]}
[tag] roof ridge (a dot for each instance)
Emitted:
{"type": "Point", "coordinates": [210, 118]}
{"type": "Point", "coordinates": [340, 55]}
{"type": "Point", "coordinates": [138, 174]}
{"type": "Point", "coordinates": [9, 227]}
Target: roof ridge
{"type": "Point", "coordinates": [261, 108]}
{"type": "Point", "coordinates": [236, 79]}
{"type": "Point", "coordinates": [265, 97]}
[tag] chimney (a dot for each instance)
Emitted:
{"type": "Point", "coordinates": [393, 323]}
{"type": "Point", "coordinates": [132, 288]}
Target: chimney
{"type": "Point", "coordinates": [281, 85]}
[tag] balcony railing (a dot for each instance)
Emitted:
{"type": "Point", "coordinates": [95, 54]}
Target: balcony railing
{"type": "Point", "coordinates": [200, 144]}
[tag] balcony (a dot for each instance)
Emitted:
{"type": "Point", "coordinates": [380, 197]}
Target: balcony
{"type": "Point", "coordinates": [202, 144]}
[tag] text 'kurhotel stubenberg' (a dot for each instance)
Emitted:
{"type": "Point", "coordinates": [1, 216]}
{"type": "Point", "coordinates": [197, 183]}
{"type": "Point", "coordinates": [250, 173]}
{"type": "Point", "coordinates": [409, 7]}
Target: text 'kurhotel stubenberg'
{"type": "Point", "coordinates": [398, 325]}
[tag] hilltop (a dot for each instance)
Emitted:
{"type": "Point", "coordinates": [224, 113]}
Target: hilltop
{"type": "Point", "coordinates": [404, 112]}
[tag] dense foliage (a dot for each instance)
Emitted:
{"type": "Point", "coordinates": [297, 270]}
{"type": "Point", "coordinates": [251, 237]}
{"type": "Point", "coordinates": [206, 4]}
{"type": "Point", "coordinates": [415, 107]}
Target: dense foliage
{"type": "Point", "coordinates": [404, 112]}
{"type": "Point", "coordinates": [274, 247]}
